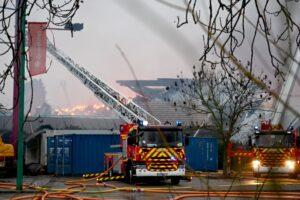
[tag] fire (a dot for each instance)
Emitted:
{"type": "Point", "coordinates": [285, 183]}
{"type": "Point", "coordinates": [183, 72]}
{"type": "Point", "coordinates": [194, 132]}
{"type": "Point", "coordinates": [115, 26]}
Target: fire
{"type": "Point", "coordinates": [82, 109]}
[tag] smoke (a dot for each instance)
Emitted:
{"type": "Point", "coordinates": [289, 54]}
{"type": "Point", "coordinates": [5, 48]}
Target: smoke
{"type": "Point", "coordinates": [40, 105]}
{"type": "Point", "coordinates": [162, 28]}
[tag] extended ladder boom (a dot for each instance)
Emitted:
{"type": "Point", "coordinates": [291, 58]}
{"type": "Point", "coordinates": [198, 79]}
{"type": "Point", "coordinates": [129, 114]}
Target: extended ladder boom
{"type": "Point", "coordinates": [280, 109]}
{"type": "Point", "coordinates": [126, 109]}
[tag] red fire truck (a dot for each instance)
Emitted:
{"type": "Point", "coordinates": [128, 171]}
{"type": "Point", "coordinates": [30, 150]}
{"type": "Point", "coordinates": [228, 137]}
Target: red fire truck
{"type": "Point", "coordinates": [149, 151]}
{"type": "Point", "coordinates": [275, 150]}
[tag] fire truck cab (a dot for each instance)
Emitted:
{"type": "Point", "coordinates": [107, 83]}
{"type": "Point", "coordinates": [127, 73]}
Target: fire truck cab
{"type": "Point", "coordinates": [275, 150]}
{"type": "Point", "coordinates": [152, 151]}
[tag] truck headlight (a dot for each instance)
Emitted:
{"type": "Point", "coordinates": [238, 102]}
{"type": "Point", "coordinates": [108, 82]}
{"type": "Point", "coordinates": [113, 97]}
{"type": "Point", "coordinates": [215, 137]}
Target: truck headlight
{"type": "Point", "coordinates": [290, 164]}
{"type": "Point", "coordinates": [255, 163]}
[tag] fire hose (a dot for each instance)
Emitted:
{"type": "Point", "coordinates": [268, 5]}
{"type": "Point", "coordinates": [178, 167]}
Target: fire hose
{"type": "Point", "coordinates": [81, 185]}
{"type": "Point", "coordinates": [69, 192]}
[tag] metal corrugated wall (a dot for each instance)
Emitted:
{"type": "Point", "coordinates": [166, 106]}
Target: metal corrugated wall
{"type": "Point", "coordinates": [88, 152]}
{"type": "Point", "coordinates": [51, 155]}
{"type": "Point", "coordinates": [78, 154]}
{"type": "Point", "coordinates": [202, 154]}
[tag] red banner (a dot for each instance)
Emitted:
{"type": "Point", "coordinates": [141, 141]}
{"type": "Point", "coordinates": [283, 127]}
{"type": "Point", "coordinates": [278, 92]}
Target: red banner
{"type": "Point", "coordinates": [37, 47]}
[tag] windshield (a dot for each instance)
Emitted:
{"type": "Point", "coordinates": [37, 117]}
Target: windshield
{"type": "Point", "coordinates": [163, 138]}
{"type": "Point", "coordinates": [275, 140]}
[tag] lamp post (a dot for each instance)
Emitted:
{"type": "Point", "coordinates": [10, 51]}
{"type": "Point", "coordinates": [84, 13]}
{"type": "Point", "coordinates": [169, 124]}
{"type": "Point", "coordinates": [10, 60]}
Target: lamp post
{"type": "Point", "coordinates": [18, 96]}
{"type": "Point", "coordinates": [19, 77]}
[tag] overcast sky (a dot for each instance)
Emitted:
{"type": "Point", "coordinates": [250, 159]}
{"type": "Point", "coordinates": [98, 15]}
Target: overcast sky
{"type": "Point", "coordinates": [145, 30]}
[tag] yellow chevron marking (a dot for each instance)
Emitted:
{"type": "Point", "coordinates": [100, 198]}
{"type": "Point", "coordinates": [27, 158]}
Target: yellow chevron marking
{"type": "Point", "coordinates": [149, 153]}
{"type": "Point", "coordinates": [169, 153]}
{"type": "Point", "coordinates": [155, 154]}
{"type": "Point", "coordinates": [162, 154]}
{"type": "Point", "coordinates": [181, 153]}
{"type": "Point", "coordinates": [173, 152]}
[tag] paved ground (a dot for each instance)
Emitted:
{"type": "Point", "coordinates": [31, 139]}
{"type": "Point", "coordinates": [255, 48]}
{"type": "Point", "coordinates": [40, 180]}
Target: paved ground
{"type": "Point", "coordinates": [202, 182]}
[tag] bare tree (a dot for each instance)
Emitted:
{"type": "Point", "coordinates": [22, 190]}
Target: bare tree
{"type": "Point", "coordinates": [228, 28]}
{"type": "Point", "coordinates": [225, 96]}
{"type": "Point", "coordinates": [60, 13]}
{"type": "Point", "coordinates": [256, 32]}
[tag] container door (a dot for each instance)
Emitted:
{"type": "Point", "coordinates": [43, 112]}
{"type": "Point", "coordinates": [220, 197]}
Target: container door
{"type": "Point", "coordinates": [212, 154]}
{"type": "Point", "coordinates": [88, 152]}
{"type": "Point", "coordinates": [51, 155]}
{"type": "Point", "coordinates": [64, 155]}
{"type": "Point", "coordinates": [202, 154]}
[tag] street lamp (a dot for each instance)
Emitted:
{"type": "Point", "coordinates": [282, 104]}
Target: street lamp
{"type": "Point", "coordinates": [69, 26]}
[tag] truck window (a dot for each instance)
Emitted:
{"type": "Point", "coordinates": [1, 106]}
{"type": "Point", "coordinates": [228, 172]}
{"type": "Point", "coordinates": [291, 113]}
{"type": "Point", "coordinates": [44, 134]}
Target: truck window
{"type": "Point", "coordinates": [298, 141]}
{"type": "Point", "coordinates": [274, 140]}
{"type": "Point", "coordinates": [161, 138]}
{"type": "Point", "coordinates": [132, 138]}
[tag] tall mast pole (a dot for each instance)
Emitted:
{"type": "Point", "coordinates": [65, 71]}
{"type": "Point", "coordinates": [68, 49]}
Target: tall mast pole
{"type": "Point", "coordinates": [18, 96]}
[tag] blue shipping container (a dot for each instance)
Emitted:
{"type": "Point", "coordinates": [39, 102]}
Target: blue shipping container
{"type": "Point", "coordinates": [51, 155]}
{"type": "Point", "coordinates": [77, 154]}
{"type": "Point", "coordinates": [88, 155]}
{"type": "Point", "coordinates": [64, 146]}
{"type": "Point", "coordinates": [202, 154]}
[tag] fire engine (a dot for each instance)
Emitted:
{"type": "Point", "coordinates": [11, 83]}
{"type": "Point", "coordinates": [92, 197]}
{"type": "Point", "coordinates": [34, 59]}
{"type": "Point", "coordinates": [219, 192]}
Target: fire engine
{"type": "Point", "coordinates": [147, 151]}
{"type": "Point", "coordinates": [276, 144]}
{"type": "Point", "coordinates": [275, 150]}
{"type": "Point", "coordinates": [150, 151]}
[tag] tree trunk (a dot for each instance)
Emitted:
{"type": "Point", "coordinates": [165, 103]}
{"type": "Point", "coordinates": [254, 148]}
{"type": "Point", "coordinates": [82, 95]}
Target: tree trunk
{"type": "Point", "coordinates": [226, 160]}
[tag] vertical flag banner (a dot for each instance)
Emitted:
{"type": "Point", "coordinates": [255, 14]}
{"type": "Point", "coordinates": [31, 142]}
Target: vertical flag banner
{"type": "Point", "coordinates": [37, 47]}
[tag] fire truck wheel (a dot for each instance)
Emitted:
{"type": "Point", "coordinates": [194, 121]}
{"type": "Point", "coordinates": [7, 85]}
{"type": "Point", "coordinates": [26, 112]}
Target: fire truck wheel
{"type": "Point", "coordinates": [129, 173]}
{"type": "Point", "coordinates": [256, 175]}
{"type": "Point", "coordinates": [175, 180]}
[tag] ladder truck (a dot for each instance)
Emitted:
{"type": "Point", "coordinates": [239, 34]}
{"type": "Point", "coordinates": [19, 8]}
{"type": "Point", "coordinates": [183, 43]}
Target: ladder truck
{"type": "Point", "coordinates": [153, 150]}
{"type": "Point", "coordinates": [121, 105]}
{"type": "Point", "coordinates": [276, 149]}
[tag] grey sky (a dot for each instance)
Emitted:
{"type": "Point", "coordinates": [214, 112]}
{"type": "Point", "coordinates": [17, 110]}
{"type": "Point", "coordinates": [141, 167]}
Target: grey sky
{"type": "Point", "coordinates": [145, 30]}
{"type": "Point", "coordinates": [155, 47]}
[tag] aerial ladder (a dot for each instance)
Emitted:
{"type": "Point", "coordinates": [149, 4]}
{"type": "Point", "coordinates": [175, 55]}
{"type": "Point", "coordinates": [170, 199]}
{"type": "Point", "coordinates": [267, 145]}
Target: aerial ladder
{"type": "Point", "coordinates": [280, 109]}
{"type": "Point", "coordinates": [162, 161]}
{"type": "Point", "coordinates": [120, 104]}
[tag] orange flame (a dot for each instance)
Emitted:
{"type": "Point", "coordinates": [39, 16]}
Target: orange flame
{"type": "Point", "coordinates": [82, 109]}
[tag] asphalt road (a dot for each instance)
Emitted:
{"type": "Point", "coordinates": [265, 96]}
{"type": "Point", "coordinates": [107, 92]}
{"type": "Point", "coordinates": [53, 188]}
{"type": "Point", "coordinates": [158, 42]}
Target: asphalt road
{"type": "Point", "coordinates": [146, 190]}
